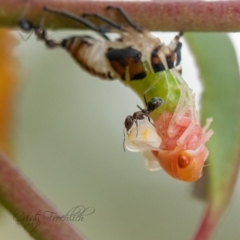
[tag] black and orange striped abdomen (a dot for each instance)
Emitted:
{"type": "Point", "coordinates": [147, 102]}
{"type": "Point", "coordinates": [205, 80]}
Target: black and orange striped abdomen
{"type": "Point", "coordinates": [127, 59]}
{"type": "Point", "coordinates": [90, 54]}
{"type": "Point", "coordinates": [107, 63]}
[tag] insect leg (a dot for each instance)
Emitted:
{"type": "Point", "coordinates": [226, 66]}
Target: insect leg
{"type": "Point", "coordinates": [124, 140]}
{"type": "Point", "coordinates": [126, 18]}
{"type": "Point", "coordinates": [24, 13]}
{"type": "Point", "coordinates": [145, 100]}
{"type": "Point", "coordinates": [124, 145]}
{"type": "Point", "coordinates": [180, 34]}
{"type": "Point", "coordinates": [178, 53]}
{"type": "Point", "coordinates": [102, 18]}
{"type": "Point", "coordinates": [77, 18]}
{"type": "Point", "coordinates": [136, 127]}
{"type": "Point", "coordinates": [176, 46]}
{"type": "Point", "coordinates": [149, 119]}
{"type": "Point", "coordinates": [28, 26]}
{"type": "Point", "coordinates": [24, 24]}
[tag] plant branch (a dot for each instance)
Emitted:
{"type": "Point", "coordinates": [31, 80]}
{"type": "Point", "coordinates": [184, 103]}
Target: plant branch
{"type": "Point", "coordinates": [184, 15]}
{"type": "Point", "coordinates": [208, 223]}
{"type": "Point", "coordinates": [22, 200]}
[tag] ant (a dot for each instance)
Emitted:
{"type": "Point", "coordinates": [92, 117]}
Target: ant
{"type": "Point", "coordinates": [153, 104]}
{"type": "Point", "coordinates": [28, 26]}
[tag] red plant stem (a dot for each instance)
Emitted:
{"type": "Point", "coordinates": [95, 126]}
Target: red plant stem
{"type": "Point", "coordinates": [171, 15]}
{"type": "Point", "coordinates": [208, 223]}
{"type": "Point", "coordinates": [22, 200]}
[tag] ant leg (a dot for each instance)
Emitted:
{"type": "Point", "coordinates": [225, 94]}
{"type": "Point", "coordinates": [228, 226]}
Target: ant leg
{"type": "Point", "coordinates": [136, 127]}
{"type": "Point", "coordinates": [124, 145]}
{"type": "Point", "coordinates": [124, 140]}
{"type": "Point", "coordinates": [145, 100]}
{"type": "Point", "coordinates": [126, 18]}
{"type": "Point", "coordinates": [106, 20]}
{"type": "Point", "coordinates": [77, 18]}
{"type": "Point", "coordinates": [149, 119]}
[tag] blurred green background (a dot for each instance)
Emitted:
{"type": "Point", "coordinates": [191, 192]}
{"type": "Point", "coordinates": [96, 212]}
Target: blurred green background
{"type": "Point", "coordinates": [68, 142]}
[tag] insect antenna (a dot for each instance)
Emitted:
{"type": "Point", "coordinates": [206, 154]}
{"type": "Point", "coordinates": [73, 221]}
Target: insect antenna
{"type": "Point", "coordinates": [126, 18]}
{"type": "Point", "coordinates": [141, 108]}
{"type": "Point", "coordinates": [80, 19]}
{"type": "Point", "coordinates": [145, 100]}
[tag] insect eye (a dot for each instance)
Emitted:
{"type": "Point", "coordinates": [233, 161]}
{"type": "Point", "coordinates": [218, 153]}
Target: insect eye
{"type": "Point", "coordinates": [128, 122]}
{"type": "Point", "coordinates": [183, 161]}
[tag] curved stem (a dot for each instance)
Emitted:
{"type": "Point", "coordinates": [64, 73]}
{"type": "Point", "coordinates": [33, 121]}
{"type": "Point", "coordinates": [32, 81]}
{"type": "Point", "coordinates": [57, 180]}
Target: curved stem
{"type": "Point", "coordinates": [208, 224]}
{"type": "Point", "coordinates": [24, 202]}
{"type": "Point", "coordinates": [184, 15]}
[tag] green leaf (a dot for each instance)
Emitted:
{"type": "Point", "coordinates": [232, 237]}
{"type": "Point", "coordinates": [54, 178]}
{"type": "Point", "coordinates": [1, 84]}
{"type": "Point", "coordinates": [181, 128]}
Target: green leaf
{"type": "Point", "coordinates": [216, 59]}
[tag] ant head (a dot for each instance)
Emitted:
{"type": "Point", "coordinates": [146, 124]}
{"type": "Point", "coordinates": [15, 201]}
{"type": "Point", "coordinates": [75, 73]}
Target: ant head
{"type": "Point", "coordinates": [128, 122]}
{"type": "Point", "coordinates": [154, 103]}
{"type": "Point", "coordinates": [25, 24]}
